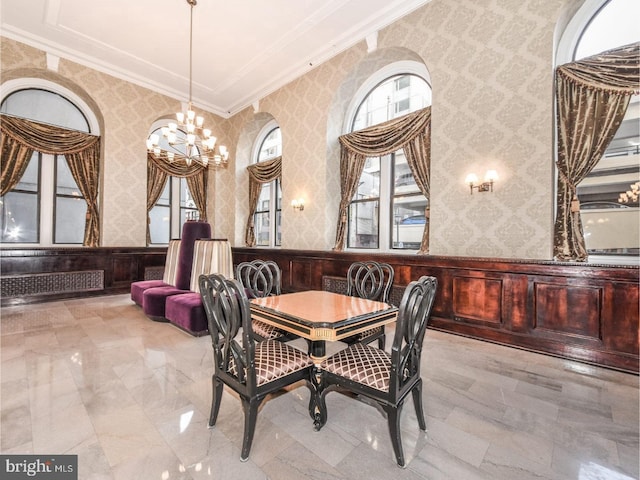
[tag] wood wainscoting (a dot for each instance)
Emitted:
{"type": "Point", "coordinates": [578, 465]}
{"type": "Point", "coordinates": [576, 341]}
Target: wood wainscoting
{"type": "Point", "coordinates": [44, 274]}
{"type": "Point", "coordinates": [582, 312]}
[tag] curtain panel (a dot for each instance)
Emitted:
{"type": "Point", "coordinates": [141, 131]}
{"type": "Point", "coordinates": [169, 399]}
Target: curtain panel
{"type": "Point", "coordinates": [259, 173]}
{"type": "Point", "coordinates": [592, 96]}
{"type": "Point", "coordinates": [21, 137]}
{"type": "Point", "coordinates": [410, 132]}
{"type": "Point", "coordinates": [197, 180]}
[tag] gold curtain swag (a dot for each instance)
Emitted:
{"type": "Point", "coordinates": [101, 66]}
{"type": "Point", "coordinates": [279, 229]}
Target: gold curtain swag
{"type": "Point", "coordinates": [196, 175]}
{"type": "Point", "coordinates": [21, 137]}
{"type": "Point", "coordinates": [592, 96]}
{"type": "Point", "coordinates": [259, 173]}
{"type": "Point", "coordinates": [412, 133]}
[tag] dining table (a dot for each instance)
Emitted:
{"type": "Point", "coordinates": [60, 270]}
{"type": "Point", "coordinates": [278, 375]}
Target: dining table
{"type": "Point", "coordinates": [320, 316]}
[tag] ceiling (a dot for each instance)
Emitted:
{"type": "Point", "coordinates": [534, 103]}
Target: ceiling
{"type": "Point", "coordinates": [242, 50]}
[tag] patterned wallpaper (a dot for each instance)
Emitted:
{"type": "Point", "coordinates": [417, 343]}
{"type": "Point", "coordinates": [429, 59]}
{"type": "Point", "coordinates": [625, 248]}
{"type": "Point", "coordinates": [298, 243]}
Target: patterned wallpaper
{"type": "Point", "coordinates": [490, 63]}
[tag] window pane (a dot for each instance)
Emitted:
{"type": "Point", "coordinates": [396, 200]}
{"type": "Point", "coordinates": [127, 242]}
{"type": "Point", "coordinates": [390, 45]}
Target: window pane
{"type": "Point", "coordinates": [271, 145]}
{"type": "Point", "coordinates": [265, 196]}
{"type": "Point", "coordinates": [262, 229]}
{"type": "Point", "coordinates": [29, 181]}
{"type": "Point", "coordinates": [369, 185]}
{"type": "Point", "coordinates": [159, 228]}
{"type": "Point", "coordinates": [279, 228]}
{"type": "Point", "coordinates": [65, 184]}
{"type": "Point", "coordinates": [19, 218]}
{"type": "Point", "coordinates": [408, 221]}
{"type": "Point", "coordinates": [70, 220]}
{"type": "Point", "coordinates": [46, 107]}
{"type": "Point", "coordinates": [363, 224]}
{"type": "Point", "coordinates": [165, 196]}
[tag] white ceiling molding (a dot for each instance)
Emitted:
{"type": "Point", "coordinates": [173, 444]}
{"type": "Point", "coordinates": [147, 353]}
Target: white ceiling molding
{"type": "Point", "coordinates": [245, 60]}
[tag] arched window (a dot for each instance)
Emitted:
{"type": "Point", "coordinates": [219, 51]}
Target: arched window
{"type": "Point", "coordinates": [268, 216]}
{"type": "Point", "coordinates": [388, 210]}
{"type": "Point", "coordinates": [46, 207]}
{"type": "Point", "coordinates": [175, 205]}
{"type": "Point", "coordinates": [608, 195]}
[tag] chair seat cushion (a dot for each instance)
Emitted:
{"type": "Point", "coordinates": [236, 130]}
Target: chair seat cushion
{"type": "Point", "coordinates": [138, 288]}
{"type": "Point", "coordinates": [266, 331]}
{"type": "Point", "coordinates": [153, 299]}
{"type": "Point", "coordinates": [186, 311]}
{"type": "Point", "coordinates": [275, 360]}
{"type": "Point", "coordinates": [363, 364]}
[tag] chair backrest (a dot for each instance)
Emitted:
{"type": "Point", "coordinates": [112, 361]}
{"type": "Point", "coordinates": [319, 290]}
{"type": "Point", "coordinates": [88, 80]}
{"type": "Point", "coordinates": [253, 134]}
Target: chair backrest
{"type": "Point", "coordinates": [210, 256]}
{"type": "Point", "coordinates": [192, 230]}
{"type": "Point", "coordinates": [227, 308]}
{"type": "Point", "coordinates": [171, 263]}
{"type": "Point", "coordinates": [371, 280]}
{"type": "Point", "coordinates": [260, 278]}
{"type": "Point", "coordinates": [413, 315]}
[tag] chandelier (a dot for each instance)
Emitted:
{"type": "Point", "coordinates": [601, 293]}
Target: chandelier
{"type": "Point", "coordinates": [186, 139]}
{"type": "Point", "coordinates": [630, 196]}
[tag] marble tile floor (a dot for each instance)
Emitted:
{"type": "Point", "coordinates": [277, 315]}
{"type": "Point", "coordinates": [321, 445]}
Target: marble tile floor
{"type": "Point", "coordinates": [131, 397]}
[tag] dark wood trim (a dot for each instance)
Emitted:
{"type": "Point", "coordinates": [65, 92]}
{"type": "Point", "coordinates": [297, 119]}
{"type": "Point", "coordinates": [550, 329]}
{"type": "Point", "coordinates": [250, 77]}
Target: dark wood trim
{"type": "Point", "coordinates": [583, 312]}
{"type": "Point", "coordinates": [118, 267]}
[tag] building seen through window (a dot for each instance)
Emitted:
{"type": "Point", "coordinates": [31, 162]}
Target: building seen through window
{"type": "Point", "coordinates": [388, 209]}
{"type": "Point", "coordinates": [608, 205]}
{"type": "Point", "coordinates": [46, 207]}
{"type": "Point", "coordinates": [174, 206]}
{"type": "Point", "coordinates": [268, 216]}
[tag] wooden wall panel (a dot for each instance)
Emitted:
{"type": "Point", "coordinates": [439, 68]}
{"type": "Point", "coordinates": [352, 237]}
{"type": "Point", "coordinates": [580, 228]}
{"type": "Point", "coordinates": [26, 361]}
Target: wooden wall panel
{"type": "Point", "coordinates": [477, 300]}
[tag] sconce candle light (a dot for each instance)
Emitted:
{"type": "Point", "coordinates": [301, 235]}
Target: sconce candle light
{"type": "Point", "coordinates": [486, 186]}
{"type": "Point", "coordinates": [298, 204]}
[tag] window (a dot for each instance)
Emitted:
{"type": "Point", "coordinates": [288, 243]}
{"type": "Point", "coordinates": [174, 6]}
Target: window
{"type": "Point", "coordinates": [609, 216]}
{"type": "Point", "coordinates": [388, 209]}
{"type": "Point", "coordinates": [268, 216]}
{"type": "Point", "coordinates": [46, 207]}
{"type": "Point", "coordinates": [174, 206]}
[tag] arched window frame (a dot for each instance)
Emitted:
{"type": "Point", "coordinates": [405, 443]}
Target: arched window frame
{"type": "Point", "coordinates": [274, 215]}
{"type": "Point", "coordinates": [388, 235]}
{"type": "Point", "coordinates": [46, 190]}
{"type": "Point", "coordinates": [566, 52]}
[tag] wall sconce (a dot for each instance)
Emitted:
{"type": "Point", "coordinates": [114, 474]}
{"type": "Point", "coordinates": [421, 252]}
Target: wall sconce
{"type": "Point", "coordinates": [298, 204]}
{"type": "Point", "coordinates": [486, 186]}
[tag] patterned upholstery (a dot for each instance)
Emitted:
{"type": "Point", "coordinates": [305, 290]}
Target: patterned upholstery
{"type": "Point", "coordinates": [275, 360]}
{"type": "Point", "coordinates": [387, 379]}
{"type": "Point", "coordinates": [267, 366]}
{"type": "Point", "coordinates": [362, 364]}
{"type": "Point", "coordinates": [265, 331]}
{"type": "Point", "coordinates": [185, 308]}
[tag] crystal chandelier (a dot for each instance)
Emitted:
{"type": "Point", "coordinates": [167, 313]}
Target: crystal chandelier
{"type": "Point", "coordinates": [186, 139]}
{"type": "Point", "coordinates": [630, 196]}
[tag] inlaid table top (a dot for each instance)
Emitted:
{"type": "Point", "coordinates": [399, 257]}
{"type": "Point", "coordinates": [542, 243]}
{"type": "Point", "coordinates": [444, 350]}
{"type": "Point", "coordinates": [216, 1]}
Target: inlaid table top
{"type": "Point", "coordinates": [321, 315]}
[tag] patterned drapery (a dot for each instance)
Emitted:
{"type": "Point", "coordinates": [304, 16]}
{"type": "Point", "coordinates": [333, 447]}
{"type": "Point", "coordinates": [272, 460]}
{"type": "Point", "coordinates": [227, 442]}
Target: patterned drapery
{"type": "Point", "coordinates": [196, 175]}
{"type": "Point", "coordinates": [21, 137]}
{"type": "Point", "coordinates": [156, 180]}
{"type": "Point", "coordinates": [410, 132]}
{"type": "Point", "coordinates": [592, 96]}
{"type": "Point", "coordinates": [259, 173]}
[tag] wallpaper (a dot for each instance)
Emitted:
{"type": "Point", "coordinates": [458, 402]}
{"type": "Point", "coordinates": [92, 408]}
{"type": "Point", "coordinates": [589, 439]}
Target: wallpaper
{"type": "Point", "coordinates": [491, 65]}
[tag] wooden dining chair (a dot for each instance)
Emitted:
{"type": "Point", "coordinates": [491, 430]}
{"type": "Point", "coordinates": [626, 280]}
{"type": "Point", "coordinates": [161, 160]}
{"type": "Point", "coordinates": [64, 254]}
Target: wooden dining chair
{"type": "Point", "coordinates": [385, 378]}
{"type": "Point", "coordinates": [252, 369]}
{"type": "Point", "coordinates": [261, 278]}
{"type": "Point", "coordinates": [371, 280]}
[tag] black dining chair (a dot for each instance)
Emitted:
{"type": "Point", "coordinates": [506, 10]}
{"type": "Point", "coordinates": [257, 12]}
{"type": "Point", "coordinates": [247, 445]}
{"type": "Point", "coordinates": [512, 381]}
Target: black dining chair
{"type": "Point", "coordinates": [261, 278]}
{"type": "Point", "coordinates": [371, 280]}
{"type": "Point", "coordinates": [385, 378]}
{"type": "Point", "coordinates": [252, 369]}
